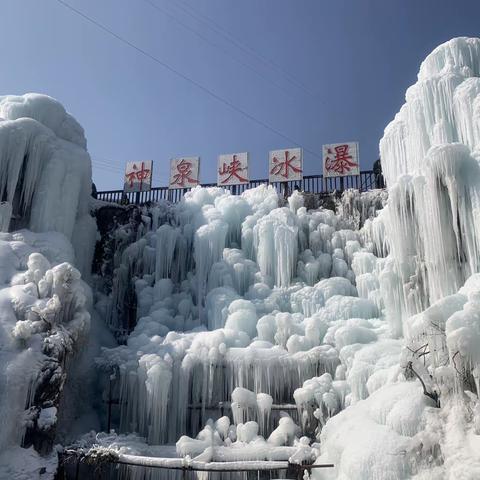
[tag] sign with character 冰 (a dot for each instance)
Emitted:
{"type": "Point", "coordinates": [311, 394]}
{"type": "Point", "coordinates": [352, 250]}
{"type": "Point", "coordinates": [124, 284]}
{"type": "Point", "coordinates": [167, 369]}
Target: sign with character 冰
{"type": "Point", "coordinates": [340, 160]}
{"type": "Point", "coordinates": [285, 165]}
{"type": "Point", "coordinates": [184, 172]}
{"type": "Point", "coordinates": [138, 176]}
{"type": "Point", "coordinates": [232, 169]}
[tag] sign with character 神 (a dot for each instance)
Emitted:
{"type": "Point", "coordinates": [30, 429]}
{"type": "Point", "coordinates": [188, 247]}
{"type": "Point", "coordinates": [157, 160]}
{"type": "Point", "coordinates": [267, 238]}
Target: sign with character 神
{"type": "Point", "coordinates": [232, 169]}
{"type": "Point", "coordinates": [340, 160]}
{"type": "Point", "coordinates": [138, 176]}
{"type": "Point", "coordinates": [285, 165]}
{"type": "Point", "coordinates": [184, 172]}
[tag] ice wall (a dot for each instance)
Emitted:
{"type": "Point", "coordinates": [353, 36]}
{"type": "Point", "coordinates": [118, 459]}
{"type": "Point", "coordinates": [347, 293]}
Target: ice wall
{"type": "Point", "coordinates": [45, 172]}
{"type": "Point", "coordinates": [422, 422]}
{"type": "Point", "coordinates": [429, 157]}
{"type": "Point", "coordinates": [43, 313]}
{"type": "Point", "coordinates": [45, 187]}
{"type": "Point", "coordinates": [229, 292]}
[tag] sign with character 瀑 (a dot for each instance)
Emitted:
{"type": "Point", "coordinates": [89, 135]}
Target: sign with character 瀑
{"type": "Point", "coordinates": [340, 160]}
{"type": "Point", "coordinates": [138, 176]}
{"type": "Point", "coordinates": [232, 169]}
{"type": "Point", "coordinates": [184, 172]}
{"type": "Point", "coordinates": [285, 165]}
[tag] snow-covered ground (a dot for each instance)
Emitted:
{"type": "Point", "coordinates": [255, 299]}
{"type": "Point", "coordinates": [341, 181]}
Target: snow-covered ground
{"type": "Point", "coordinates": [253, 330]}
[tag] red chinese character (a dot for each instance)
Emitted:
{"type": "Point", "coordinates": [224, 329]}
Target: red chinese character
{"type": "Point", "coordinates": [232, 170]}
{"type": "Point", "coordinates": [184, 171]}
{"type": "Point", "coordinates": [342, 162]}
{"type": "Point", "coordinates": [282, 168]}
{"type": "Point", "coordinates": [136, 174]}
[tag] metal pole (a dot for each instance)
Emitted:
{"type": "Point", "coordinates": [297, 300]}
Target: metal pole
{"type": "Point", "coordinates": [109, 416]}
{"type": "Point", "coordinates": [77, 469]}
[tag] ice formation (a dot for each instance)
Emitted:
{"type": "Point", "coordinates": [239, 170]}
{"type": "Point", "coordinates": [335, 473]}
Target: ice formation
{"type": "Point", "coordinates": [270, 286]}
{"type": "Point", "coordinates": [45, 174]}
{"type": "Point", "coordinates": [45, 183]}
{"type": "Point", "coordinates": [44, 312]}
{"type": "Point", "coordinates": [428, 282]}
{"type": "Point", "coordinates": [253, 329]}
{"type": "Point", "coordinates": [365, 318]}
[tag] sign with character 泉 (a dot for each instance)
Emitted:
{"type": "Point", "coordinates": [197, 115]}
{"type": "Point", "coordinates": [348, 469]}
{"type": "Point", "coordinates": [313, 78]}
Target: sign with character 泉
{"type": "Point", "coordinates": [232, 169]}
{"type": "Point", "coordinates": [341, 159]}
{"type": "Point", "coordinates": [184, 172]}
{"type": "Point", "coordinates": [138, 176]}
{"type": "Point", "coordinates": [285, 165]}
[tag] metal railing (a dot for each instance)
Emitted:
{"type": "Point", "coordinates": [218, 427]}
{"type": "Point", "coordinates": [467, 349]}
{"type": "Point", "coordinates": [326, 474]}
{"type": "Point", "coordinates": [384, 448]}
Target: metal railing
{"type": "Point", "coordinates": [367, 180]}
{"type": "Point", "coordinates": [95, 459]}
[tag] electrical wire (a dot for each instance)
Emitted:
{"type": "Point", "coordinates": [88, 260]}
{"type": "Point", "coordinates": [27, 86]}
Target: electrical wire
{"type": "Point", "coordinates": [186, 77]}
{"type": "Point", "coordinates": [218, 47]}
{"type": "Point", "coordinates": [214, 26]}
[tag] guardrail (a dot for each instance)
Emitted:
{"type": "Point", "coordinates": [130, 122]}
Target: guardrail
{"type": "Point", "coordinates": [293, 470]}
{"type": "Point", "coordinates": [367, 180]}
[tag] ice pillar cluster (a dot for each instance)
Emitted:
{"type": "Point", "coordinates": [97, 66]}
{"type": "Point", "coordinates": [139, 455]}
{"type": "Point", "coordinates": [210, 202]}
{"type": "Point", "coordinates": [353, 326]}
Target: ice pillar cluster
{"type": "Point", "coordinates": [430, 159]}
{"type": "Point", "coordinates": [428, 281]}
{"type": "Point", "coordinates": [45, 174]}
{"type": "Point", "coordinates": [371, 330]}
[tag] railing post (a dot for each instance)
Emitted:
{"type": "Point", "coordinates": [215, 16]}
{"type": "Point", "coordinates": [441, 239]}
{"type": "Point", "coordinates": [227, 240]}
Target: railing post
{"type": "Point", "coordinates": [77, 469]}
{"type": "Point", "coordinates": [109, 415]}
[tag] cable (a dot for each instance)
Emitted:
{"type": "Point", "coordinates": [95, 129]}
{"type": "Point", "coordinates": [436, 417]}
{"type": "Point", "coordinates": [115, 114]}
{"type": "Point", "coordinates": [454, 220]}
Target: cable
{"type": "Point", "coordinates": [103, 167]}
{"type": "Point", "coordinates": [225, 51]}
{"type": "Point", "coordinates": [107, 164]}
{"type": "Point", "coordinates": [185, 77]}
{"type": "Point", "coordinates": [108, 169]}
{"type": "Point", "coordinates": [221, 31]}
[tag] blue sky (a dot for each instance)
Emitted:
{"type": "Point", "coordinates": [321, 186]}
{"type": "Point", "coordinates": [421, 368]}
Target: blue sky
{"type": "Point", "coordinates": [315, 71]}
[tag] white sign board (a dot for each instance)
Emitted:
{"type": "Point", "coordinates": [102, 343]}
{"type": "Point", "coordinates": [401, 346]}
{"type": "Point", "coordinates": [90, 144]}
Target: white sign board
{"type": "Point", "coordinates": [341, 159]}
{"type": "Point", "coordinates": [232, 169]}
{"type": "Point", "coordinates": [285, 165]}
{"type": "Point", "coordinates": [184, 172]}
{"type": "Point", "coordinates": [138, 176]}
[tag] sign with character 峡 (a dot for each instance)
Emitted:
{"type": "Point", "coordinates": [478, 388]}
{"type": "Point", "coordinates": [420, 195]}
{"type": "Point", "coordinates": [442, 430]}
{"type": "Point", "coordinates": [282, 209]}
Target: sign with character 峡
{"type": "Point", "coordinates": [340, 160]}
{"type": "Point", "coordinates": [232, 169]}
{"type": "Point", "coordinates": [285, 165]}
{"type": "Point", "coordinates": [138, 176]}
{"type": "Point", "coordinates": [184, 172]}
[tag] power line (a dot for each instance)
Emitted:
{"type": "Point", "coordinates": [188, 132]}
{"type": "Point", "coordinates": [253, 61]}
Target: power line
{"type": "Point", "coordinates": [105, 161]}
{"type": "Point", "coordinates": [185, 77]}
{"type": "Point", "coordinates": [108, 164]}
{"type": "Point", "coordinates": [103, 167]}
{"type": "Point", "coordinates": [209, 42]}
{"type": "Point", "coordinates": [108, 169]}
{"type": "Point", "coordinates": [192, 12]}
